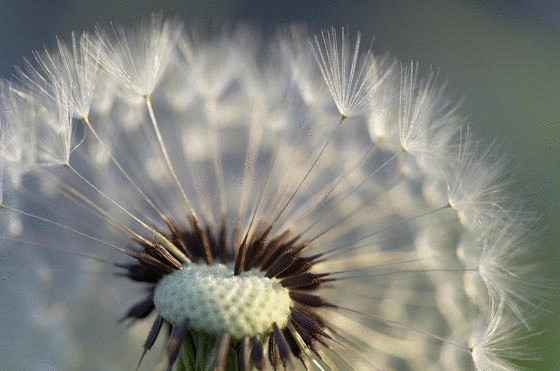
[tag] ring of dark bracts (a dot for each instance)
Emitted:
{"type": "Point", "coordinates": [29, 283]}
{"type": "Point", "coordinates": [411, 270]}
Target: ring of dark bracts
{"type": "Point", "coordinates": [280, 256]}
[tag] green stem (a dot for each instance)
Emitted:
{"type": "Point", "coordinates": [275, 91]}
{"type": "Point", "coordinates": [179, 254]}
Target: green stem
{"type": "Point", "coordinates": [199, 351]}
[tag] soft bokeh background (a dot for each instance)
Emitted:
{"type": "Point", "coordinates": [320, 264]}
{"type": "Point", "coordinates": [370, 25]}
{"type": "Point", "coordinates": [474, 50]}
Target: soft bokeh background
{"type": "Point", "coordinates": [501, 57]}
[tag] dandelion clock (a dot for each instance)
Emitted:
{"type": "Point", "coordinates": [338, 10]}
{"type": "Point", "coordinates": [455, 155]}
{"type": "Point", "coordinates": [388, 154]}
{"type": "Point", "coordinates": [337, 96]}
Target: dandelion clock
{"type": "Point", "coordinates": [299, 203]}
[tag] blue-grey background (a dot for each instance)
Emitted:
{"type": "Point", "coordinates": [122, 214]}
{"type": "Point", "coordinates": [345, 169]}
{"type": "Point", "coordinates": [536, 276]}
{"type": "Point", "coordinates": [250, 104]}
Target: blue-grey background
{"type": "Point", "coordinates": [502, 57]}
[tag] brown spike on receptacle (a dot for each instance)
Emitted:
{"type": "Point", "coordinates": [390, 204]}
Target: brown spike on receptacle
{"type": "Point", "coordinates": [254, 250]}
{"type": "Point", "coordinates": [282, 263]}
{"type": "Point", "coordinates": [151, 339]}
{"type": "Point", "coordinates": [310, 328]}
{"type": "Point", "coordinates": [175, 236]}
{"type": "Point", "coordinates": [244, 354]}
{"type": "Point", "coordinates": [273, 353]}
{"type": "Point", "coordinates": [293, 344]}
{"type": "Point", "coordinates": [145, 269]}
{"type": "Point", "coordinates": [306, 281]}
{"type": "Point", "coordinates": [223, 350]}
{"type": "Point", "coordinates": [312, 323]}
{"type": "Point", "coordinates": [260, 247]}
{"type": "Point", "coordinates": [302, 264]}
{"type": "Point", "coordinates": [174, 343]}
{"type": "Point", "coordinates": [272, 256]}
{"type": "Point", "coordinates": [307, 337]}
{"type": "Point", "coordinates": [281, 344]}
{"type": "Point", "coordinates": [222, 240]}
{"type": "Point", "coordinates": [142, 241]}
{"type": "Point", "coordinates": [139, 310]}
{"type": "Point", "coordinates": [177, 240]}
{"type": "Point", "coordinates": [241, 261]}
{"type": "Point", "coordinates": [240, 257]}
{"type": "Point", "coordinates": [257, 353]}
{"type": "Point", "coordinates": [203, 237]}
{"type": "Point", "coordinates": [310, 300]}
{"type": "Point", "coordinates": [143, 257]}
{"type": "Point", "coordinates": [167, 257]}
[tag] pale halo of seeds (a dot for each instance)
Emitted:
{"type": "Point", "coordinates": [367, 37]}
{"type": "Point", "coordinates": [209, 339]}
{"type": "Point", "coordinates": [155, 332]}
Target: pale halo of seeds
{"type": "Point", "coordinates": [341, 186]}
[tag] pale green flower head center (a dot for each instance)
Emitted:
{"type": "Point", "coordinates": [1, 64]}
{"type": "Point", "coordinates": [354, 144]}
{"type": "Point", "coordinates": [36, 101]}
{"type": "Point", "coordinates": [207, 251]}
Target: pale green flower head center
{"type": "Point", "coordinates": [215, 300]}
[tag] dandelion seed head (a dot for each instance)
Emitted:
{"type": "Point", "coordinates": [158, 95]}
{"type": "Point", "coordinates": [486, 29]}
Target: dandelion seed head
{"type": "Point", "coordinates": [260, 222]}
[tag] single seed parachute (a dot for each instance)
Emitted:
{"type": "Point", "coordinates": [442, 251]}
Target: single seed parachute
{"type": "Point", "coordinates": [303, 204]}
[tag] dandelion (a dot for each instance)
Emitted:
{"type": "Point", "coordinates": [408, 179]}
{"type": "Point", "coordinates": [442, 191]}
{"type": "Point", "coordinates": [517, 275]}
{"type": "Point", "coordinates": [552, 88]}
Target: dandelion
{"type": "Point", "coordinates": [263, 231]}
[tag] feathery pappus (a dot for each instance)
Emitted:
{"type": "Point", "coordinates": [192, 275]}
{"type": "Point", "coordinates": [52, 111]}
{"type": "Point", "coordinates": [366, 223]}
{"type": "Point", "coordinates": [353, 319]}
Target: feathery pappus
{"type": "Point", "coordinates": [300, 203]}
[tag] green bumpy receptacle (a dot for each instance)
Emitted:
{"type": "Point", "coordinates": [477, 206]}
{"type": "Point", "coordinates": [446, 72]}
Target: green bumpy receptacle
{"type": "Point", "coordinates": [214, 300]}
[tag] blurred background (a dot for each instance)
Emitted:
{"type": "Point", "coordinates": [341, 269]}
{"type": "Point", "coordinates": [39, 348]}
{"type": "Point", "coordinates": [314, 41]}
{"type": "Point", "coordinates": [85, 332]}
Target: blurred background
{"type": "Point", "coordinates": [501, 57]}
